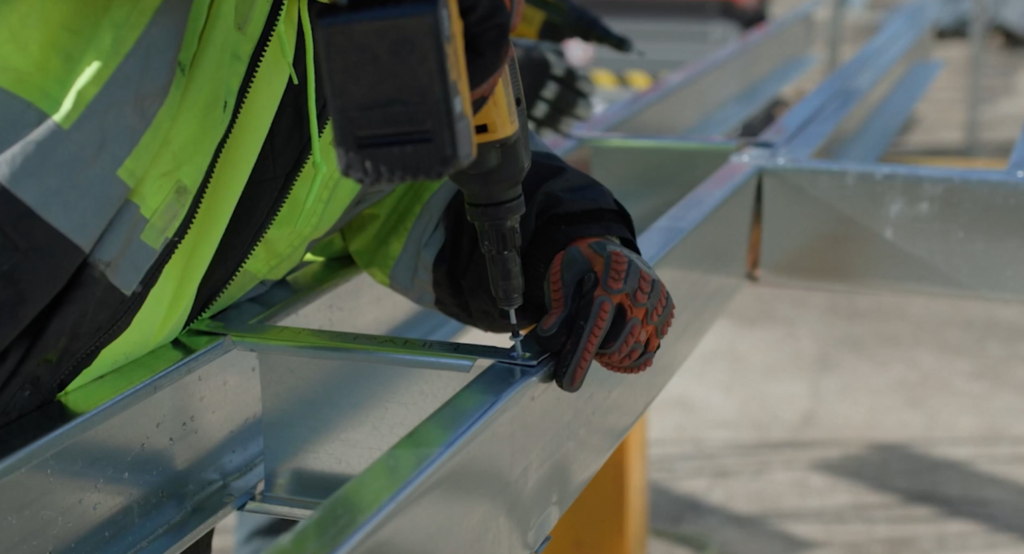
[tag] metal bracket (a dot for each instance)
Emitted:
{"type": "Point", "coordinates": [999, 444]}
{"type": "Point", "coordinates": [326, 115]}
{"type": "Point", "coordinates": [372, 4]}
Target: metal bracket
{"type": "Point", "coordinates": [400, 351]}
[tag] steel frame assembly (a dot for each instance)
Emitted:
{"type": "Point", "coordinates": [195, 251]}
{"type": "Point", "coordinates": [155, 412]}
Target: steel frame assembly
{"type": "Point", "coordinates": [409, 440]}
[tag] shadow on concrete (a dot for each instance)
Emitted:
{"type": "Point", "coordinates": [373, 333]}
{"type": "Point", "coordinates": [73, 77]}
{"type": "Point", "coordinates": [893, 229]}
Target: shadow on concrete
{"type": "Point", "coordinates": [952, 487]}
{"type": "Point", "coordinates": [686, 520]}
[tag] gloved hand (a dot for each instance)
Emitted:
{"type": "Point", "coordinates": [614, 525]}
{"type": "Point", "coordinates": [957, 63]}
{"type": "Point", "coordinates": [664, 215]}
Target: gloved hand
{"type": "Point", "coordinates": [557, 96]}
{"type": "Point", "coordinates": [605, 303]}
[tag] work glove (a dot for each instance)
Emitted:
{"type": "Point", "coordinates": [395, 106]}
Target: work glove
{"type": "Point", "coordinates": [557, 96]}
{"type": "Point", "coordinates": [605, 303]}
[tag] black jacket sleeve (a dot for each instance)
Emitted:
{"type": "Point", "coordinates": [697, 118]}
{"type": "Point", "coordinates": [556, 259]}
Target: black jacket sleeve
{"type": "Point", "coordinates": [562, 206]}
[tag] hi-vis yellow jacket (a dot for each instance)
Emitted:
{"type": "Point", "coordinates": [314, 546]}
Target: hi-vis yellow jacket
{"type": "Point", "coordinates": [160, 159]}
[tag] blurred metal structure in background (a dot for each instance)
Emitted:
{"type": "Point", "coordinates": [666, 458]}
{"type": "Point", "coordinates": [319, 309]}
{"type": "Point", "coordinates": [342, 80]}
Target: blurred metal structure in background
{"type": "Point", "coordinates": [710, 99]}
{"type": "Point", "coordinates": [667, 35]}
{"type": "Point", "coordinates": [856, 113]}
{"type": "Point", "coordinates": [835, 35]}
{"type": "Point", "coordinates": [978, 33]}
{"type": "Point", "coordinates": [976, 19]}
{"type": "Point", "coordinates": [408, 441]}
{"type": "Point", "coordinates": [667, 44]}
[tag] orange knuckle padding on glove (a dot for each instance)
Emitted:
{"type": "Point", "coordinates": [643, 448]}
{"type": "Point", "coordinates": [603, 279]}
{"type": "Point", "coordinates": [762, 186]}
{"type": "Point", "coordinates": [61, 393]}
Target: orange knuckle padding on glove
{"type": "Point", "coordinates": [607, 305]}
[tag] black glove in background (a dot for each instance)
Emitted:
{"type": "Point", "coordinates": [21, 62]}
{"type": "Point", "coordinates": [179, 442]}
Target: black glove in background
{"type": "Point", "coordinates": [557, 96]}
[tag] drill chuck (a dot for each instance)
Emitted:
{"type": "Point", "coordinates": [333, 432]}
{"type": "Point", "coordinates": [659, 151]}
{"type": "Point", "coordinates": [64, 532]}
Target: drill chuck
{"type": "Point", "coordinates": [493, 193]}
{"type": "Point", "coordinates": [497, 226]}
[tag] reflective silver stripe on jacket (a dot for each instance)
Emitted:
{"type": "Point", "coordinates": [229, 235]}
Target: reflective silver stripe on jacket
{"type": "Point", "coordinates": [69, 177]}
{"type": "Point", "coordinates": [412, 275]}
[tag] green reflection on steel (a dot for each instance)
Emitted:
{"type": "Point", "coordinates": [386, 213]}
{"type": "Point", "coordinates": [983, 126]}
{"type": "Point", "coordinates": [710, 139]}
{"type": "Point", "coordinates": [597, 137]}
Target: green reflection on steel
{"type": "Point", "coordinates": [260, 337]}
{"type": "Point", "coordinates": [97, 392]}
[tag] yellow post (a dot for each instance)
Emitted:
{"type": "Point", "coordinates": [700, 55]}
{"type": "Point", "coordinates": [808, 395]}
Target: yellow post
{"type": "Point", "coordinates": [610, 515]}
{"type": "Point", "coordinates": [966, 162]}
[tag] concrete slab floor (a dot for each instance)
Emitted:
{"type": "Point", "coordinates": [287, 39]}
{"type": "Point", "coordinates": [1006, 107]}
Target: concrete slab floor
{"type": "Point", "coordinates": [812, 421]}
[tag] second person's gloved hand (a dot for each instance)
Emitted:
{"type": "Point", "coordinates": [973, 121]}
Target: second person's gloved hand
{"type": "Point", "coordinates": [605, 303]}
{"type": "Point", "coordinates": [557, 96]}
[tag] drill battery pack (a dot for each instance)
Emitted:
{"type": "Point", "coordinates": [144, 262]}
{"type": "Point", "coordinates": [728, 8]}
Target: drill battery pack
{"type": "Point", "coordinates": [397, 88]}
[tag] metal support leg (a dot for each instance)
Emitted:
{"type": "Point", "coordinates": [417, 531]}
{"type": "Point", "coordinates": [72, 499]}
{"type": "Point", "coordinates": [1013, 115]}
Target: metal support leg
{"type": "Point", "coordinates": [610, 515]}
{"type": "Point", "coordinates": [978, 33]}
{"type": "Point", "coordinates": [835, 37]}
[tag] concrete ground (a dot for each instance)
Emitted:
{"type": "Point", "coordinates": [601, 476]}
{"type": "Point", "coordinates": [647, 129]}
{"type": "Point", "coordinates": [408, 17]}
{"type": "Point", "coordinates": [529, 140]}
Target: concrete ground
{"type": "Point", "coordinates": [826, 422]}
{"type": "Point", "coordinates": [812, 421]}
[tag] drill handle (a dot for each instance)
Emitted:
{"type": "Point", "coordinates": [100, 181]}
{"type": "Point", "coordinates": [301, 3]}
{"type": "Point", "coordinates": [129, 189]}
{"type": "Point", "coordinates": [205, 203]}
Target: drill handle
{"type": "Point", "coordinates": [503, 146]}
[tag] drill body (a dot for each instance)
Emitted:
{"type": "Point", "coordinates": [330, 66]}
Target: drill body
{"type": "Point", "coordinates": [398, 91]}
{"type": "Point", "coordinates": [492, 188]}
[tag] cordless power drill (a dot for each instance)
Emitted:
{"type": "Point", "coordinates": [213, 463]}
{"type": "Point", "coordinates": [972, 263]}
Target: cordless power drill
{"type": "Point", "coordinates": [398, 93]}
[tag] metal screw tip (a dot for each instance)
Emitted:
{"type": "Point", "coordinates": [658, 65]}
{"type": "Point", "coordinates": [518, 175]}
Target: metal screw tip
{"type": "Point", "coordinates": [517, 337]}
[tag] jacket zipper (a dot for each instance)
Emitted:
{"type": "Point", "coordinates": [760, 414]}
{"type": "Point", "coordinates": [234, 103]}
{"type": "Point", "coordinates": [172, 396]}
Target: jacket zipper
{"type": "Point", "coordinates": [264, 228]}
{"type": "Point", "coordinates": [128, 314]}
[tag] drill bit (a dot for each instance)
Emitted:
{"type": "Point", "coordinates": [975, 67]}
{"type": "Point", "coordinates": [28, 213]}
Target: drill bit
{"type": "Point", "coordinates": [517, 337]}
